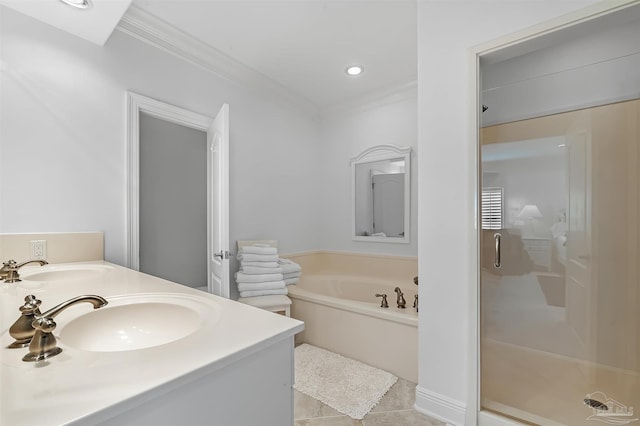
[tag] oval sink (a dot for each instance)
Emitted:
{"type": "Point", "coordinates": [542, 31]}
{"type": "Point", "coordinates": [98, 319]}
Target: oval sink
{"type": "Point", "coordinates": [137, 322]}
{"type": "Point", "coordinates": [63, 272]}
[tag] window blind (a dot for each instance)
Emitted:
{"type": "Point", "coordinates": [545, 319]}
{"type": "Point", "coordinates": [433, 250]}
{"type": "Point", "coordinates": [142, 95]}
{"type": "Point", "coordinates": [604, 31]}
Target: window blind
{"type": "Point", "coordinates": [492, 210]}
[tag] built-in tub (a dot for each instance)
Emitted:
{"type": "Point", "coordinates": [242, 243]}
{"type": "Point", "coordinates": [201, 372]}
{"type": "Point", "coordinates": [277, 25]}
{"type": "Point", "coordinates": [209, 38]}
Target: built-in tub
{"type": "Point", "coordinates": [342, 314]}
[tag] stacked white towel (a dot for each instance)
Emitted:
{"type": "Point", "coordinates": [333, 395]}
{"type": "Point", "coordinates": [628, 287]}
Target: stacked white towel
{"type": "Point", "coordinates": [291, 271]}
{"type": "Point", "coordinates": [260, 273]}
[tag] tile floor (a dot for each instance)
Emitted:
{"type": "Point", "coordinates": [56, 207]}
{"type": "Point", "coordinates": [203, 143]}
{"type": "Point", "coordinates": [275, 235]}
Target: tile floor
{"type": "Point", "coordinates": [395, 409]}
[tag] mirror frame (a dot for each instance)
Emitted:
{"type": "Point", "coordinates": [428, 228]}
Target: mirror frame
{"type": "Point", "coordinates": [381, 153]}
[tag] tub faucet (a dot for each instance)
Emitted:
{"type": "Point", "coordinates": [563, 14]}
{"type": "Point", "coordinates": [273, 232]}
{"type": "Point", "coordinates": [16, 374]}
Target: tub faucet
{"type": "Point", "coordinates": [9, 270]}
{"type": "Point", "coordinates": [43, 342]}
{"type": "Point", "coordinates": [400, 299]}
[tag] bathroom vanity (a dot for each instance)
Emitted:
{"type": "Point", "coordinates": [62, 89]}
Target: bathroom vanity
{"type": "Point", "coordinates": [159, 353]}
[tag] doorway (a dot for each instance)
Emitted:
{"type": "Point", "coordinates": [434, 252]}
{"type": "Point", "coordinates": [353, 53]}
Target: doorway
{"type": "Point", "coordinates": [186, 172]}
{"type": "Point", "coordinates": [173, 201]}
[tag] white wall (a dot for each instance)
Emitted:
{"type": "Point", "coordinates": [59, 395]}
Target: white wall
{"type": "Point", "coordinates": [62, 137]}
{"type": "Point", "coordinates": [344, 135]}
{"type": "Point", "coordinates": [446, 151]}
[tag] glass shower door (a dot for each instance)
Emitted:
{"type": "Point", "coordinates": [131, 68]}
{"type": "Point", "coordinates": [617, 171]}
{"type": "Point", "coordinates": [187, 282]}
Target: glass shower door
{"type": "Point", "coordinates": [560, 306]}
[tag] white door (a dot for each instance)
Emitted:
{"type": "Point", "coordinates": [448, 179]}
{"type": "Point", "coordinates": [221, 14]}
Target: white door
{"type": "Point", "coordinates": [218, 204]}
{"type": "Point", "coordinates": [580, 314]}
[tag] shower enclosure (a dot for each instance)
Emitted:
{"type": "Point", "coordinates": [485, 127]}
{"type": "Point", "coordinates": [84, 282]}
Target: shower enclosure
{"type": "Point", "coordinates": [560, 265]}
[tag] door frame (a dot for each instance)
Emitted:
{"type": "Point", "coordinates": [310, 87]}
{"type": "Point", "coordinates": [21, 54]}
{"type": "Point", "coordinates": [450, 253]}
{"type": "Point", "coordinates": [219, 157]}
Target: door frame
{"type": "Point", "coordinates": [137, 104]}
{"type": "Point", "coordinates": [474, 414]}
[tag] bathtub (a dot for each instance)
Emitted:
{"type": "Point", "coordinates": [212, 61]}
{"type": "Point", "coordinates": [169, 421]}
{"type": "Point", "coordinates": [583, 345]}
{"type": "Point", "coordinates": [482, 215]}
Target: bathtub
{"type": "Point", "coordinates": [342, 314]}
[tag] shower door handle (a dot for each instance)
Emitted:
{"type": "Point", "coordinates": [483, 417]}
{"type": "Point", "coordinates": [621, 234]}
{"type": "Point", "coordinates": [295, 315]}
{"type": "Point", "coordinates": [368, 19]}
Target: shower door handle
{"type": "Point", "coordinates": [498, 239]}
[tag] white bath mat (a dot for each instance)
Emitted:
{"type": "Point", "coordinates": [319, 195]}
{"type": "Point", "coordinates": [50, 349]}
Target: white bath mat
{"type": "Point", "coordinates": [346, 385]}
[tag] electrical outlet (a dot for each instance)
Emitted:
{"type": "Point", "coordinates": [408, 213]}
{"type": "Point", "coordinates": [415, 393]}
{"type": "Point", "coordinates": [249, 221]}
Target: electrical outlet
{"type": "Point", "coordinates": [38, 249]}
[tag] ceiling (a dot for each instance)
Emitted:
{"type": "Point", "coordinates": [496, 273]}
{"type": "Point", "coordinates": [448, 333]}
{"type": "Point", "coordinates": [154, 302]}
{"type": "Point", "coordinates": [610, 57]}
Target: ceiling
{"type": "Point", "coordinates": [94, 24]}
{"type": "Point", "coordinates": [305, 45]}
{"type": "Point", "coordinates": [296, 48]}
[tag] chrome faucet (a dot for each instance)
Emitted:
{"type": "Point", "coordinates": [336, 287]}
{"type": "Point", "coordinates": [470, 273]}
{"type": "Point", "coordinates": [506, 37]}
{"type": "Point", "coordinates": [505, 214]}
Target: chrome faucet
{"type": "Point", "coordinates": [400, 299]}
{"type": "Point", "coordinates": [9, 270]}
{"type": "Point", "coordinates": [37, 329]}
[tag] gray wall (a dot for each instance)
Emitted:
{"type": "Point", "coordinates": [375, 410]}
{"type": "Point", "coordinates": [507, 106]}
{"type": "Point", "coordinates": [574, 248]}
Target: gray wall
{"type": "Point", "coordinates": [173, 201]}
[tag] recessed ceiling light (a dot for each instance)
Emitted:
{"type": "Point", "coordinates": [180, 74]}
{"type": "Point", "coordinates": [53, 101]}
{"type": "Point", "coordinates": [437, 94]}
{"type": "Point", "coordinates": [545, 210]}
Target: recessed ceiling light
{"type": "Point", "coordinates": [354, 70]}
{"type": "Point", "coordinates": [80, 4]}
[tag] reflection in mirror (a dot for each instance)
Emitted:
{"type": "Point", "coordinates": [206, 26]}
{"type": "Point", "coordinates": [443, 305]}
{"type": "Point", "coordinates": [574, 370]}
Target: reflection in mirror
{"type": "Point", "coordinates": [380, 187]}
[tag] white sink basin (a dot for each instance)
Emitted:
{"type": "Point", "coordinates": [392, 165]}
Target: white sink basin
{"type": "Point", "coordinates": [63, 272]}
{"type": "Point", "coordinates": [137, 322]}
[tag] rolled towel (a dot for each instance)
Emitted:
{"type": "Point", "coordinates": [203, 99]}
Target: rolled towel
{"type": "Point", "coordinates": [257, 278]}
{"type": "Point", "coordinates": [292, 275]}
{"type": "Point", "coordinates": [252, 257]}
{"type": "Point", "coordinates": [263, 292]}
{"type": "Point", "coordinates": [259, 270]}
{"type": "Point", "coordinates": [289, 266]}
{"type": "Point", "coordinates": [290, 281]}
{"type": "Point", "coordinates": [259, 249]}
{"type": "Point", "coordinates": [271, 285]}
{"type": "Point", "coordinates": [260, 264]}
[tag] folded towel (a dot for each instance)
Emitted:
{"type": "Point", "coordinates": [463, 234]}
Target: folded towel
{"type": "Point", "coordinates": [270, 285]}
{"type": "Point", "coordinates": [259, 249]}
{"type": "Point", "coordinates": [251, 270]}
{"type": "Point", "coordinates": [290, 281]}
{"type": "Point", "coordinates": [292, 275]}
{"type": "Point", "coordinates": [289, 265]}
{"type": "Point", "coordinates": [257, 278]}
{"type": "Point", "coordinates": [263, 292]}
{"type": "Point", "coordinates": [252, 257]}
{"type": "Point", "coordinates": [260, 264]}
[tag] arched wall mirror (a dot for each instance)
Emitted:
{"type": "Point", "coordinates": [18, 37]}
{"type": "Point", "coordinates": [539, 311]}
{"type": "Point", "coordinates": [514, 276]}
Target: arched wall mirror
{"type": "Point", "coordinates": [381, 188]}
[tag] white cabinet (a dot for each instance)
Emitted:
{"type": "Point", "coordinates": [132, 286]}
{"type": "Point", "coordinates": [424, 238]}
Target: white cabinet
{"type": "Point", "coordinates": [255, 390]}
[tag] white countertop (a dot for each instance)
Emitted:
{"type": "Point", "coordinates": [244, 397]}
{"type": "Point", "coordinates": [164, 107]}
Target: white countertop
{"type": "Point", "coordinates": [87, 387]}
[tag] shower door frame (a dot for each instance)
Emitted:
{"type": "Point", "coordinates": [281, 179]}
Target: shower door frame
{"type": "Point", "coordinates": [474, 413]}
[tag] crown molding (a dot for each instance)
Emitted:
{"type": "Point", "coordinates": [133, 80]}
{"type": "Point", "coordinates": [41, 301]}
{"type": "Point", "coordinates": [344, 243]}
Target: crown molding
{"type": "Point", "coordinates": [145, 27]}
{"type": "Point", "coordinates": [372, 100]}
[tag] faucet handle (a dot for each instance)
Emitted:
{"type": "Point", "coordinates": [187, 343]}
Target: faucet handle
{"type": "Point", "coordinates": [31, 305]}
{"type": "Point", "coordinates": [22, 330]}
{"type": "Point", "coordinates": [44, 344]}
{"type": "Point", "coordinates": [415, 280]}
{"type": "Point", "coordinates": [383, 303]}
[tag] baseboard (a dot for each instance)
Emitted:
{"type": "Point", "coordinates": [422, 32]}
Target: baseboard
{"type": "Point", "coordinates": [440, 407]}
